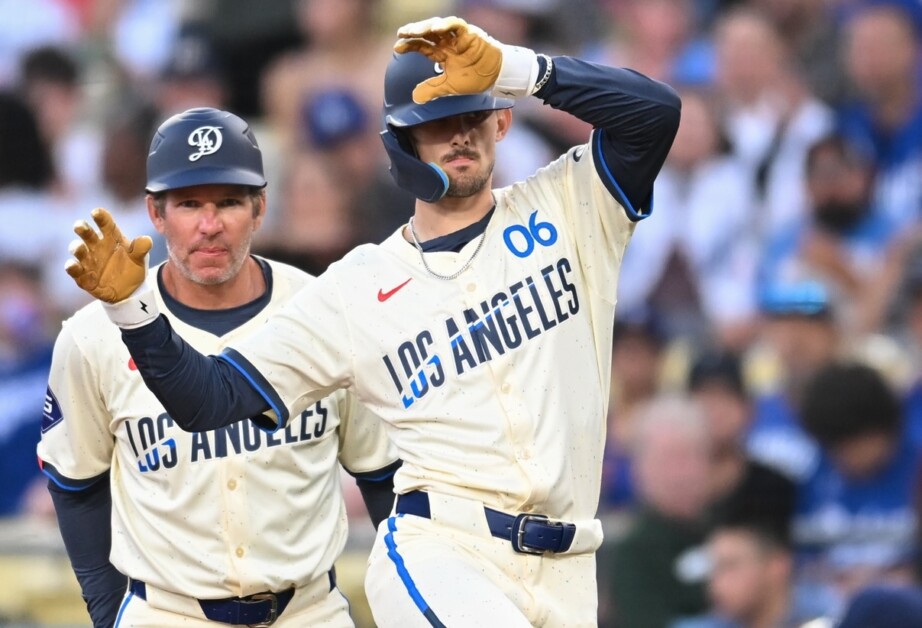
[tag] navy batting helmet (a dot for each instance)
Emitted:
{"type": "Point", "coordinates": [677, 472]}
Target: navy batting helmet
{"type": "Point", "coordinates": [203, 146]}
{"type": "Point", "coordinates": [425, 181]}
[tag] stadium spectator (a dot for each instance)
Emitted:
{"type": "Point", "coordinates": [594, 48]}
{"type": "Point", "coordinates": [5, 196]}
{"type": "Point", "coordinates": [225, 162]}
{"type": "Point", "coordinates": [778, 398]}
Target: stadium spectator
{"type": "Point", "coordinates": [812, 34]}
{"type": "Point", "coordinates": [26, 340]}
{"type": "Point", "coordinates": [842, 240]}
{"type": "Point", "coordinates": [855, 523]}
{"type": "Point", "coordinates": [799, 329]}
{"type": "Point", "coordinates": [638, 347]}
{"type": "Point", "coordinates": [751, 582]}
{"type": "Point", "coordinates": [316, 227]}
{"type": "Point", "coordinates": [343, 49]}
{"type": "Point", "coordinates": [740, 486]}
{"type": "Point", "coordinates": [49, 79]}
{"type": "Point", "coordinates": [770, 116]}
{"type": "Point", "coordinates": [339, 129]}
{"type": "Point", "coordinates": [881, 57]}
{"type": "Point", "coordinates": [695, 264]}
{"type": "Point", "coordinates": [654, 575]}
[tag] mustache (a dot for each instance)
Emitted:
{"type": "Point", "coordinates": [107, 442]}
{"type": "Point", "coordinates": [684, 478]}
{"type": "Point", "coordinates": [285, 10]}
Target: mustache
{"type": "Point", "coordinates": [467, 154]}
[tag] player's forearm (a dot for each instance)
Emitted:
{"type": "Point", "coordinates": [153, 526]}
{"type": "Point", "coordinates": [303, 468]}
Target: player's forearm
{"type": "Point", "coordinates": [198, 392]}
{"type": "Point", "coordinates": [622, 101]}
{"type": "Point", "coordinates": [638, 118]}
{"type": "Point", "coordinates": [84, 518]}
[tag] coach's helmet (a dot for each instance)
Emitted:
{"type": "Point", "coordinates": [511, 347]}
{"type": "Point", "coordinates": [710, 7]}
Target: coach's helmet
{"type": "Point", "coordinates": [203, 146]}
{"type": "Point", "coordinates": [427, 182]}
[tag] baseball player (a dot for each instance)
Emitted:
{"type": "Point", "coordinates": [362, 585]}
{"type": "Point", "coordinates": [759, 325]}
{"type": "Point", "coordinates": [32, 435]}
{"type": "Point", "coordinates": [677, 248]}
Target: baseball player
{"type": "Point", "coordinates": [480, 331]}
{"type": "Point", "coordinates": [230, 525]}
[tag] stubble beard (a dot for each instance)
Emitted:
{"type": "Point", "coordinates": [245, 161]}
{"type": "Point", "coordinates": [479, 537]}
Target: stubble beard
{"type": "Point", "coordinates": [239, 256]}
{"type": "Point", "coordinates": [469, 184]}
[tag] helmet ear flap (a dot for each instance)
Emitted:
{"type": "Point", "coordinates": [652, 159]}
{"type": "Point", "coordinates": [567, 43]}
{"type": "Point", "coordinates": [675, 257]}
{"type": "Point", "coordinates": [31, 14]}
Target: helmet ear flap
{"type": "Point", "coordinates": [426, 182]}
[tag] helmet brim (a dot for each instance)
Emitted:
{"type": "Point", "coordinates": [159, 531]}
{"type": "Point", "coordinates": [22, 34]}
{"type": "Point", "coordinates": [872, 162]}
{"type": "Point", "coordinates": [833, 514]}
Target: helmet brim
{"type": "Point", "coordinates": [205, 176]}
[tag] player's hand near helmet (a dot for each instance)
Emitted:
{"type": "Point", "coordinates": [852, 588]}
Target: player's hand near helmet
{"type": "Point", "coordinates": [473, 62]}
{"type": "Point", "coordinates": [113, 269]}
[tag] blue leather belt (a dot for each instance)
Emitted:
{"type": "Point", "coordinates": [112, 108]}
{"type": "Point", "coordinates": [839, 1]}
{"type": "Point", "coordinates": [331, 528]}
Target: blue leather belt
{"type": "Point", "coordinates": [259, 609]}
{"type": "Point", "coordinates": [528, 533]}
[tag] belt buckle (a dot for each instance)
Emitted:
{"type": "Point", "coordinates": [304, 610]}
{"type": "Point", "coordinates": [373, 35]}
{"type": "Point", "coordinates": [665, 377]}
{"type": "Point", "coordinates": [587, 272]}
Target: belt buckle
{"type": "Point", "coordinates": [273, 607]}
{"type": "Point", "coordinates": [518, 533]}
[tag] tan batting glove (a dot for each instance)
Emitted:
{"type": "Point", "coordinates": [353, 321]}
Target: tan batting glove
{"type": "Point", "coordinates": [473, 61]}
{"type": "Point", "coordinates": [113, 269]}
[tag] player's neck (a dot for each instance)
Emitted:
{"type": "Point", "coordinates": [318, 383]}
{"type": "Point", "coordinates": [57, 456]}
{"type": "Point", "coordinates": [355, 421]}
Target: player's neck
{"type": "Point", "coordinates": [432, 220]}
{"type": "Point", "coordinates": [246, 286]}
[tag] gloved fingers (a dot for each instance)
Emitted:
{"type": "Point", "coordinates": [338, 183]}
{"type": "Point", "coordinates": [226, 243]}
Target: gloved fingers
{"type": "Point", "coordinates": [433, 28]}
{"type": "Point", "coordinates": [139, 248]}
{"type": "Point", "coordinates": [107, 226]}
{"type": "Point", "coordinates": [431, 89]}
{"type": "Point", "coordinates": [86, 233]}
{"type": "Point", "coordinates": [74, 268]}
{"type": "Point", "coordinates": [87, 280]}
{"type": "Point", "coordinates": [81, 252]}
{"type": "Point", "coordinates": [421, 46]}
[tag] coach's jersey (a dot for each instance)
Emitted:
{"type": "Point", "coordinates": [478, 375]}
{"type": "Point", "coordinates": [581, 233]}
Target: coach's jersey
{"type": "Point", "coordinates": [230, 512]}
{"type": "Point", "coordinates": [494, 384]}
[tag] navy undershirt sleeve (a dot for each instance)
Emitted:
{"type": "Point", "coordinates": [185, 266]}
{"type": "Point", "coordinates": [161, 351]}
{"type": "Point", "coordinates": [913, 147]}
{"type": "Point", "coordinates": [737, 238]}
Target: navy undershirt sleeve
{"type": "Point", "coordinates": [635, 117]}
{"type": "Point", "coordinates": [377, 490]}
{"type": "Point", "coordinates": [85, 521]}
{"type": "Point", "coordinates": [199, 392]}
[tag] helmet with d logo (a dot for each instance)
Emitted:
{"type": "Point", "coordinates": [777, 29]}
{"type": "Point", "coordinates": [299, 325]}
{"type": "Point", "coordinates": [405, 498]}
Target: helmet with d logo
{"type": "Point", "coordinates": [203, 146]}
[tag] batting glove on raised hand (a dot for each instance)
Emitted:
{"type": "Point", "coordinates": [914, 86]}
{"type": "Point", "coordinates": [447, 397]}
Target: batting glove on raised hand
{"type": "Point", "coordinates": [473, 62]}
{"type": "Point", "coordinates": [113, 269]}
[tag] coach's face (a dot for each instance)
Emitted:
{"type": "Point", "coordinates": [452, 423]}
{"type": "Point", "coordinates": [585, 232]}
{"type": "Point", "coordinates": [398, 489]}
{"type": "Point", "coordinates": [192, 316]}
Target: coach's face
{"type": "Point", "coordinates": [208, 229]}
{"type": "Point", "coordinates": [464, 146]}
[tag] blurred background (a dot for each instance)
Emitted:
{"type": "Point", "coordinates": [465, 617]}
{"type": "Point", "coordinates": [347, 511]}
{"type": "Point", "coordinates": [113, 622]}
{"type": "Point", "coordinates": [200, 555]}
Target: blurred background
{"type": "Point", "coordinates": [764, 432]}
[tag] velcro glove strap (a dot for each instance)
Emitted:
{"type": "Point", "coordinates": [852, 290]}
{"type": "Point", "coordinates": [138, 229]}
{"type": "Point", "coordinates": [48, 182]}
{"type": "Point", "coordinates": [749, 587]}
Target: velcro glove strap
{"type": "Point", "coordinates": [518, 74]}
{"type": "Point", "coordinates": [139, 309]}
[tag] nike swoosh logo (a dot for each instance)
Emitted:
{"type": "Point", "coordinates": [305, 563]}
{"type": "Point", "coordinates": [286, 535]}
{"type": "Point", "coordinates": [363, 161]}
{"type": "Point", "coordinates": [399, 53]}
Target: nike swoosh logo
{"type": "Point", "coordinates": [578, 153]}
{"type": "Point", "coordinates": [384, 296]}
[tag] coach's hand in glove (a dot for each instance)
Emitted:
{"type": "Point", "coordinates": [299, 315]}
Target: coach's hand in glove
{"type": "Point", "coordinates": [473, 62]}
{"type": "Point", "coordinates": [112, 268]}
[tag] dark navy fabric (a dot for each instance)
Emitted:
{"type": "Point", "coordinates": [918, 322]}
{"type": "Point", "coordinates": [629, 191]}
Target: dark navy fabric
{"type": "Point", "coordinates": [84, 518]}
{"type": "Point", "coordinates": [219, 322]}
{"type": "Point", "coordinates": [536, 534]}
{"type": "Point", "coordinates": [638, 118]}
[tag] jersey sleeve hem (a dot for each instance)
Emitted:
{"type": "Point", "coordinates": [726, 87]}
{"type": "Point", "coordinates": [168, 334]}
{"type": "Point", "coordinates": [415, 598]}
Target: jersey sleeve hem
{"type": "Point", "coordinates": [68, 484]}
{"type": "Point", "coordinates": [376, 475]}
{"type": "Point", "coordinates": [611, 183]}
{"type": "Point", "coordinates": [265, 390]}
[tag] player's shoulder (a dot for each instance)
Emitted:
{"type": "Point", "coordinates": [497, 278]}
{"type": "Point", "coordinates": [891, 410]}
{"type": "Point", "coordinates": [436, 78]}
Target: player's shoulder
{"type": "Point", "coordinates": [286, 279]}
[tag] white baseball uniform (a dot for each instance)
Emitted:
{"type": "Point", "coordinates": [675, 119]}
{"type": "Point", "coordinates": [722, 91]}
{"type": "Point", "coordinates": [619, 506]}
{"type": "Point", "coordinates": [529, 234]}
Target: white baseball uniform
{"type": "Point", "coordinates": [494, 386]}
{"type": "Point", "coordinates": [209, 515]}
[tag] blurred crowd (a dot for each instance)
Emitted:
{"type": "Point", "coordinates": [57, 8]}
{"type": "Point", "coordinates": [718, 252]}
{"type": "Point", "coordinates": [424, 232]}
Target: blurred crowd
{"type": "Point", "coordinates": [765, 424]}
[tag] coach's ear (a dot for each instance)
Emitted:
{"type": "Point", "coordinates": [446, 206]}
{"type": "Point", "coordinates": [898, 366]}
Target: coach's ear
{"type": "Point", "coordinates": [155, 215]}
{"type": "Point", "coordinates": [259, 209]}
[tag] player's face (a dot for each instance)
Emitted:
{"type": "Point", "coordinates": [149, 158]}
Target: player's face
{"type": "Point", "coordinates": [208, 230]}
{"type": "Point", "coordinates": [464, 146]}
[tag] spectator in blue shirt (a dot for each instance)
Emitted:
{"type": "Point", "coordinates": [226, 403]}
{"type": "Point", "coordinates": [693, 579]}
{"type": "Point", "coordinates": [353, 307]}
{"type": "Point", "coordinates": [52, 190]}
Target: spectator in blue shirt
{"type": "Point", "coordinates": [855, 522]}
{"type": "Point", "coordinates": [799, 327]}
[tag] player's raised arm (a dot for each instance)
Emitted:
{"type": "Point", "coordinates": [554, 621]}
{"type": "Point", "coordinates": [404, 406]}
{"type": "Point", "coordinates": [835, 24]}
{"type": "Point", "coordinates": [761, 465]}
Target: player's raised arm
{"type": "Point", "coordinates": [199, 392]}
{"type": "Point", "coordinates": [635, 118]}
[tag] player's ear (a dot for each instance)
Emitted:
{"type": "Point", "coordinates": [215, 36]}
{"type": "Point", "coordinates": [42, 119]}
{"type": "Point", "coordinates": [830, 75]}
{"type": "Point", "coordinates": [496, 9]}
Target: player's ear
{"type": "Point", "coordinates": [155, 210]}
{"type": "Point", "coordinates": [503, 122]}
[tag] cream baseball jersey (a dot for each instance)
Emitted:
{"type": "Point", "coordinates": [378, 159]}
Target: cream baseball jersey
{"type": "Point", "coordinates": [224, 513]}
{"type": "Point", "coordinates": [494, 384]}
